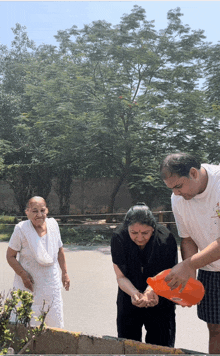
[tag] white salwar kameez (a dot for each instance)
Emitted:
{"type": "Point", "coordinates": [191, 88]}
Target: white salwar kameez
{"type": "Point", "coordinates": [39, 257]}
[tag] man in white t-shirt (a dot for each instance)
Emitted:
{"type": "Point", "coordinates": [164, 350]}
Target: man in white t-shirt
{"type": "Point", "coordinates": [196, 207]}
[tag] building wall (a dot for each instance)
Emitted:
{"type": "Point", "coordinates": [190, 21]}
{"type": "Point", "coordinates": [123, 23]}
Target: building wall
{"type": "Point", "coordinates": [87, 196]}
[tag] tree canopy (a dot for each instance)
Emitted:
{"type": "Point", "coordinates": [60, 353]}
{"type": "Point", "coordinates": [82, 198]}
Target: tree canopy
{"type": "Point", "coordinates": [108, 101]}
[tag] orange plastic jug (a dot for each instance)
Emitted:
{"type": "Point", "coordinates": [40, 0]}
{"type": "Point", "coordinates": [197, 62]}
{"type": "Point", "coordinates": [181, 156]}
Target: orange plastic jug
{"type": "Point", "coordinates": [192, 294]}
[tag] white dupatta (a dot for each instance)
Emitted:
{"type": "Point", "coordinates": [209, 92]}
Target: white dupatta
{"type": "Point", "coordinates": [41, 255]}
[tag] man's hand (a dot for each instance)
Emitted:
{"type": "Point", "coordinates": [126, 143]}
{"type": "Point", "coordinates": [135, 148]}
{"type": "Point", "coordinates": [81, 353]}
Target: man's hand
{"type": "Point", "coordinates": [179, 275]}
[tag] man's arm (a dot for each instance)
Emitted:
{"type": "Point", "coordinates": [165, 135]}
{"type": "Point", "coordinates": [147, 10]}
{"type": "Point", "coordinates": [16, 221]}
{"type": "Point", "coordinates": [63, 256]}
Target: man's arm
{"type": "Point", "coordinates": [188, 247]}
{"type": "Point", "coordinates": [187, 268]}
{"type": "Point", "coordinates": [210, 254]}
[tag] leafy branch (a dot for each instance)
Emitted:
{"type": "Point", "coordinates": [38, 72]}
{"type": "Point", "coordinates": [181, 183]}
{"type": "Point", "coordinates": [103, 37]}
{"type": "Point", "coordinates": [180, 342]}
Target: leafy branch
{"type": "Point", "coordinates": [18, 303]}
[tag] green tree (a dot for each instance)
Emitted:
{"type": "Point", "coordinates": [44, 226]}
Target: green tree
{"type": "Point", "coordinates": [57, 116]}
{"type": "Point", "coordinates": [212, 95]}
{"type": "Point", "coordinates": [139, 84]}
{"type": "Point", "coordinates": [109, 102]}
{"type": "Point", "coordinates": [21, 150]}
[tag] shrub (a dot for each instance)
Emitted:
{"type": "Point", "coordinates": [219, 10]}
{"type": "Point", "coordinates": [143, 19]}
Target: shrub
{"type": "Point", "coordinates": [5, 219]}
{"type": "Point", "coordinates": [20, 303]}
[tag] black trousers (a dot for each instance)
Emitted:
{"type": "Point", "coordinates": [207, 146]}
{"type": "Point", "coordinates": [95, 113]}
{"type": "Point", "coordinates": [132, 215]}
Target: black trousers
{"type": "Point", "coordinates": [160, 325]}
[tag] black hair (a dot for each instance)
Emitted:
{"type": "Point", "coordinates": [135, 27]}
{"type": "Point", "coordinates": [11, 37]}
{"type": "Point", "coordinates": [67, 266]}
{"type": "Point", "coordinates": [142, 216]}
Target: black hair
{"type": "Point", "coordinates": [139, 213]}
{"type": "Point", "coordinates": [178, 164]}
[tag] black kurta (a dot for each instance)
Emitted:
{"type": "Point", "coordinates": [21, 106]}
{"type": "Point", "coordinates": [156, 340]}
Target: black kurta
{"type": "Point", "coordinates": [137, 265]}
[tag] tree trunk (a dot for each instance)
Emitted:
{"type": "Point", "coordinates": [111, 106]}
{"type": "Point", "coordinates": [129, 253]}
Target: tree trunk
{"type": "Point", "coordinates": [113, 196]}
{"type": "Point", "coordinates": [63, 190]}
{"type": "Point", "coordinates": [19, 179]}
{"type": "Point", "coordinates": [41, 180]}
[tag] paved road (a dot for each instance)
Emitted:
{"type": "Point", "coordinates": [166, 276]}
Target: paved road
{"type": "Point", "coordinates": [90, 306]}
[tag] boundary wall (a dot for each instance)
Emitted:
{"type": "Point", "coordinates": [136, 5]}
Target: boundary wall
{"type": "Point", "coordinates": [87, 197]}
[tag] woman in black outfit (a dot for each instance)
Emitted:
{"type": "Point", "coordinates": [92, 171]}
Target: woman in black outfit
{"type": "Point", "coordinates": [141, 248]}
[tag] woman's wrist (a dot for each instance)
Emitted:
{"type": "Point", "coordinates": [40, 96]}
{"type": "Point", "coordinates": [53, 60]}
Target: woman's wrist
{"type": "Point", "coordinates": [134, 292]}
{"type": "Point", "coordinates": [148, 289]}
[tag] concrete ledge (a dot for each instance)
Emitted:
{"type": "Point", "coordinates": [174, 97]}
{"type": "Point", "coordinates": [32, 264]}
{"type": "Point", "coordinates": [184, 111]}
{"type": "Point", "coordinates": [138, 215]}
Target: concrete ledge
{"type": "Point", "coordinates": [58, 341]}
{"type": "Point", "coordinates": [135, 347]}
{"type": "Point", "coordinates": [99, 345]}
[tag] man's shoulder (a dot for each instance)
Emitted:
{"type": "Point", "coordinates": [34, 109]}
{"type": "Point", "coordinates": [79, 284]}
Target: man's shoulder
{"type": "Point", "coordinates": [213, 172]}
{"type": "Point", "coordinates": [212, 169]}
{"type": "Point", "coordinates": [179, 204]}
{"type": "Point", "coordinates": [176, 199]}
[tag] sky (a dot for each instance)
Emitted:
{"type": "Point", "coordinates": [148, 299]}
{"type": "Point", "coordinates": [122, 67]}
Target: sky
{"type": "Point", "coordinates": [43, 19]}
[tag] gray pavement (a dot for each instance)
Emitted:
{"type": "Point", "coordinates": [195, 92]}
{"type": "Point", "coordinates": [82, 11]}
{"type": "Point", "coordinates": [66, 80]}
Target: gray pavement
{"type": "Point", "coordinates": [90, 304]}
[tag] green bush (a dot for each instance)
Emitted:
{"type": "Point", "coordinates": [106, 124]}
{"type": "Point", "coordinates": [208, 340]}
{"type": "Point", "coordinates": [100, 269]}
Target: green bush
{"type": "Point", "coordinates": [78, 235]}
{"type": "Point", "coordinates": [6, 219]}
{"type": "Point", "coordinates": [19, 302]}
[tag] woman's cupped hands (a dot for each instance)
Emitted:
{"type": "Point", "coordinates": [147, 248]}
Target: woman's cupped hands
{"type": "Point", "coordinates": [144, 300]}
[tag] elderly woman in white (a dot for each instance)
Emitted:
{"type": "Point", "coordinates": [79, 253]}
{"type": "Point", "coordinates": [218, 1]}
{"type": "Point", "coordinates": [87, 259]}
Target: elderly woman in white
{"type": "Point", "coordinates": [39, 245]}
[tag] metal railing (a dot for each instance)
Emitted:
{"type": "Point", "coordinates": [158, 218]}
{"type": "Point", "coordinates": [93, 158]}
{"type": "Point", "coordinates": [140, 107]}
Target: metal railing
{"type": "Point", "coordinates": [92, 219]}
